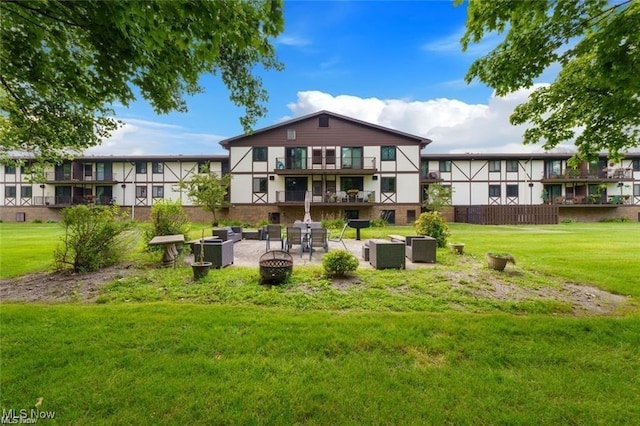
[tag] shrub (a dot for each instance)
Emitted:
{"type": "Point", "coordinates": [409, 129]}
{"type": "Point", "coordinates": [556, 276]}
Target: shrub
{"type": "Point", "coordinates": [94, 237]}
{"type": "Point", "coordinates": [568, 220]}
{"type": "Point", "coordinates": [617, 219]}
{"type": "Point", "coordinates": [337, 263]}
{"type": "Point", "coordinates": [433, 225]}
{"type": "Point", "coordinates": [36, 221]}
{"type": "Point", "coordinates": [333, 223]}
{"type": "Point", "coordinates": [167, 218]}
{"type": "Point", "coordinates": [378, 223]}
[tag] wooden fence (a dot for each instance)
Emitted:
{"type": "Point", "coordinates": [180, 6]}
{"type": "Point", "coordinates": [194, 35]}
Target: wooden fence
{"type": "Point", "coordinates": [507, 215]}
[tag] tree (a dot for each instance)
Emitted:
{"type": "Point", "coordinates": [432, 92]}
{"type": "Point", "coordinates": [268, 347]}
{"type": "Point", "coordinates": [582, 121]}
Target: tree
{"type": "Point", "coordinates": [208, 191]}
{"type": "Point", "coordinates": [595, 98]}
{"type": "Point", "coordinates": [64, 63]}
{"type": "Point", "coordinates": [437, 196]}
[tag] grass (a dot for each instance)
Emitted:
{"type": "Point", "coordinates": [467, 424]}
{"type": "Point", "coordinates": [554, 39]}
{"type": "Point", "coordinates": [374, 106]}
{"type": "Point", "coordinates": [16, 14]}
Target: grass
{"type": "Point", "coordinates": [391, 347]}
{"type": "Point", "coordinates": [118, 364]}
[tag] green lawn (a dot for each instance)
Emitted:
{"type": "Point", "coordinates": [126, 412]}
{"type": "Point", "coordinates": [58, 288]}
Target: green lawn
{"type": "Point", "coordinates": [401, 347]}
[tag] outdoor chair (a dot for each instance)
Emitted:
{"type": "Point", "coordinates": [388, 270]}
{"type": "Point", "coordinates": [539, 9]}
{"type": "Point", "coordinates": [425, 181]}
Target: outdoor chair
{"type": "Point", "coordinates": [274, 233]}
{"type": "Point", "coordinates": [420, 249]}
{"type": "Point", "coordinates": [385, 254]}
{"type": "Point", "coordinates": [218, 252]}
{"type": "Point", "coordinates": [318, 238]}
{"type": "Point", "coordinates": [338, 239]}
{"type": "Point", "coordinates": [294, 237]}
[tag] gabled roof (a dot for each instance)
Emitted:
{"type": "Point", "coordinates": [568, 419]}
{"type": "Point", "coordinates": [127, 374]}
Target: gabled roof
{"type": "Point", "coordinates": [422, 141]}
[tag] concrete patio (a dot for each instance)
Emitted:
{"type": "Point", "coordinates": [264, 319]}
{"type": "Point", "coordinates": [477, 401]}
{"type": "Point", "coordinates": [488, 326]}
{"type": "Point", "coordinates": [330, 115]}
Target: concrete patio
{"type": "Point", "coordinates": [248, 252]}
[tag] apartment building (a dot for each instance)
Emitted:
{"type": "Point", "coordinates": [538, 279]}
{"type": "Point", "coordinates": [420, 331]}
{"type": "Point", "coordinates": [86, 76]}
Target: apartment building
{"type": "Point", "coordinates": [342, 166]}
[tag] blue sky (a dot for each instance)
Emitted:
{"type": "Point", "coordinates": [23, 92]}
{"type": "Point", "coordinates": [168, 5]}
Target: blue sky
{"type": "Point", "coordinates": [393, 63]}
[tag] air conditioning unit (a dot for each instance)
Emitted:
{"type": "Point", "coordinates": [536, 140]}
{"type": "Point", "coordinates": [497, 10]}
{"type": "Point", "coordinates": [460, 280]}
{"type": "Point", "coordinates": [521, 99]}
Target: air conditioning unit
{"type": "Point", "coordinates": [434, 175]}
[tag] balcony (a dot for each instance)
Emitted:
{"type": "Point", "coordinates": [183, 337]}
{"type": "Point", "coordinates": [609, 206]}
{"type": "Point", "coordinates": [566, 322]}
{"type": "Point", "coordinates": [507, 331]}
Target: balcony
{"type": "Point", "coordinates": [604, 175]}
{"type": "Point", "coordinates": [326, 165]}
{"type": "Point", "coordinates": [430, 176]}
{"type": "Point", "coordinates": [339, 198]}
{"type": "Point", "coordinates": [61, 201]}
{"type": "Point", "coordinates": [53, 177]}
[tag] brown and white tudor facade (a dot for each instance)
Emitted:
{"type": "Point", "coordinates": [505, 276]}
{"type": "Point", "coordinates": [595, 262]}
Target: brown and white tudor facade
{"type": "Point", "coordinates": [348, 167]}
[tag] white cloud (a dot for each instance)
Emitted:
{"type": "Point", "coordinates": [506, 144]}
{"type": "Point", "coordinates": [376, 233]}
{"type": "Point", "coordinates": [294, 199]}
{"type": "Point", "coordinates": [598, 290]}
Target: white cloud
{"type": "Point", "coordinates": [292, 40]}
{"type": "Point", "coordinates": [454, 126]}
{"type": "Point", "coordinates": [145, 137]}
{"type": "Point", "coordinates": [450, 44]}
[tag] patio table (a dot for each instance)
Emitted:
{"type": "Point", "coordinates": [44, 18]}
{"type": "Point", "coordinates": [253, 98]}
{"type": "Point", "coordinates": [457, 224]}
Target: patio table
{"type": "Point", "coordinates": [168, 242]}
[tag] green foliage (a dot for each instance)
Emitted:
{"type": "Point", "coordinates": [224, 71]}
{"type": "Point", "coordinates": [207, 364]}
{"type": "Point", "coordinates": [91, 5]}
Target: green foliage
{"type": "Point", "coordinates": [338, 263]}
{"type": "Point", "coordinates": [433, 225]}
{"type": "Point", "coordinates": [437, 197]}
{"type": "Point", "coordinates": [568, 220]}
{"type": "Point", "coordinates": [597, 44]}
{"type": "Point", "coordinates": [208, 191]}
{"type": "Point", "coordinates": [65, 63]}
{"type": "Point", "coordinates": [36, 221]}
{"type": "Point", "coordinates": [94, 237]}
{"type": "Point", "coordinates": [378, 223]}
{"type": "Point", "coordinates": [335, 223]}
{"type": "Point", "coordinates": [617, 219]}
{"type": "Point", "coordinates": [167, 218]}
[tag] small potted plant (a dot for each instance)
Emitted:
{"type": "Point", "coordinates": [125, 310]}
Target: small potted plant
{"type": "Point", "coordinates": [200, 267]}
{"type": "Point", "coordinates": [457, 248]}
{"type": "Point", "coordinates": [498, 261]}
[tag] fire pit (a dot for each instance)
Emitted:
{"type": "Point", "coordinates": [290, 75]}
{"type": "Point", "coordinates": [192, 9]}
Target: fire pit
{"type": "Point", "coordinates": [358, 224]}
{"type": "Point", "coordinates": [275, 267]}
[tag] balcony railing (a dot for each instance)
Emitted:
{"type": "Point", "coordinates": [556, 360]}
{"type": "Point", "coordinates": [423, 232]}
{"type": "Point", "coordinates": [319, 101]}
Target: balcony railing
{"type": "Point", "coordinates": [326, 163]}
{"type": "Point", "coordinates": [80, 177]}
{"type": "Point", "coordinates": [619, 173]}
{"type": "Point", "coordinates": [67, 200]}
{"type": "Point", "coordinates": [340, 197]}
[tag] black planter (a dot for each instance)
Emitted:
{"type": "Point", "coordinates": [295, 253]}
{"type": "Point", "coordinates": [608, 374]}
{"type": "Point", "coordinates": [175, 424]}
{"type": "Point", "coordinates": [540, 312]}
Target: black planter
{"type": "Point", "coordinates": [200, 270]}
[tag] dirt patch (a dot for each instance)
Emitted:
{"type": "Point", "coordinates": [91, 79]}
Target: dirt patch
{"type": "Point", "coordinates": [61, 286]}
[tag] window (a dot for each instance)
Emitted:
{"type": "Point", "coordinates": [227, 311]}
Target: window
{"type": "Point", "coordinates": [323, 121]}
{"type": "Point", "coordinates": [348, 182]}
{"type": "Point", "coordinates": [88, 170]}
{"type": "Point", "coordinates": [260, 153]}
{"type": "Point", "coordinates": [141, 168]}
{"type": "Point", "coordinates": [512, 165]}
{"type": "Point", "coordinates": [10, 191]}
{"type": "Point", "coordinates": [636, 190]}
{"type": "Point", "coordinates": [316, 188]}
{"type": "Point", "coordinates": [157, 191]}
{"type": "Point", "coordinates": [291, 134]}
{"type": "Point", "coordinates": [444, 166]}
{"type": "Point", "coordinates": [10, 170]}
{"type": "Point", "coordinates": [411, 216]}
{"type": "Point", "coordinates": [494, 190]}
{"type": "Point", "coordinates": [389, 216]}
{"type": "Point", "coordinates": [635, 165]}
{"type": "Point", "coordinates": [494, 165]}
{"type": "Point", "coordinates": [316, 156]}
{"type": "Point", "coordinates": [553, 168]}
{"type": "Point", "coordinates": [512, 190]}
{"type": "Point", "coordinates": [141, 192]}
{"type": "Point", "coordinates": [26, 191]}
{"type": "Point", "coordinates": [260, 184]}
{"type": "Point", "coordinates": [352, 157]}
{"type": "Point", "coordinates": [331, 156]}
{"type": "Point", "coordinates": [388, 153]}
{"type": "Point", "coordinates": [157, 167]}
{"type": "Point", "coordinates": [388, 184]}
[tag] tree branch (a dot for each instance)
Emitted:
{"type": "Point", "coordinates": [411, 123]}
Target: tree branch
{"type": "Point", "coordinates": [47, 15]}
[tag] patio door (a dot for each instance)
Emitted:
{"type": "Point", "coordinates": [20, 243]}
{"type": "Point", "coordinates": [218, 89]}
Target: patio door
{"type": "Point", "coordinates": [296, 158]}
{"type": "Point", "coordinates": [352, 157]}
{"type": "Point", "coordinates": [295, 188]}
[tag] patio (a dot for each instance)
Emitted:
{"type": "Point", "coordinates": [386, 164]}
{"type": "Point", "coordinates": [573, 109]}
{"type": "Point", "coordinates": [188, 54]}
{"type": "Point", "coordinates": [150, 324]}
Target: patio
{"type": "Point", "coordinates": [247, 253]}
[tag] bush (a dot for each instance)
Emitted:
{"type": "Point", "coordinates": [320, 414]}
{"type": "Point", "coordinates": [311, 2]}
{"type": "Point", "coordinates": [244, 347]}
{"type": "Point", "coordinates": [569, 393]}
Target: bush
{"type": "Point", "coordinates": [433, 225]}
{"type": "Point", "coordinates": [94, 237]}
{"type": "Point", "coordinates": [167, 218]}
{"type": "Point", "coordinates": [618, 219]}
{"type": "Point", "coordinates": [333, 223]}
{"type": "Point", "coordinates": [337, 263]}
{"type": "Point", "coordinates": [36, 221]}
{"type": "Point", "coordinates": [378, 223]}
{"type": "Point", "coordinates": [568, 220]}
